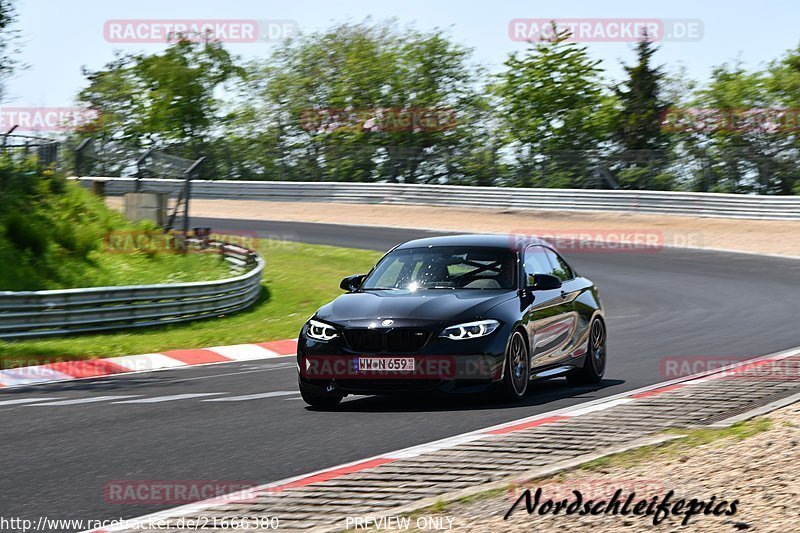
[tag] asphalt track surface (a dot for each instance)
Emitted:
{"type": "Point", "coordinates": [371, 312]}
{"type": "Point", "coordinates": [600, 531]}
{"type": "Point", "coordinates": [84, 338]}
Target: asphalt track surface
{"type": "Point", "coordinates": [55, 460]}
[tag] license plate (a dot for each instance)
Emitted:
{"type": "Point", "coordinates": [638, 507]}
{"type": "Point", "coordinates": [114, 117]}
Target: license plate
{"type": "Point", "coordinates": [385, 364]}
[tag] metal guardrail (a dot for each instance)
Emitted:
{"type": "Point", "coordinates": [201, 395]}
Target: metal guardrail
{"type": "Point", "coordinates": [58, 312]}
{"type": "Point", "coordinates": [660, 202]}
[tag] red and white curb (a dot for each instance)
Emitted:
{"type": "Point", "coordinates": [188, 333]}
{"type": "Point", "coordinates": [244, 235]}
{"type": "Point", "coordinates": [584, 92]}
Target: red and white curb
{"type": "Point", "coordinates": [93, 368]}
{"type": "Point", "coordinates": [733, 370]}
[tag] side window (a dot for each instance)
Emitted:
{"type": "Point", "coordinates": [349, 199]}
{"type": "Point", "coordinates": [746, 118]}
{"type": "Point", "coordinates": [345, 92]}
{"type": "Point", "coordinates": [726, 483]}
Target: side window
{"type": "Point", "coordinates": [560, 267]}
{"type": "Point", "coordinates": [536, 262]}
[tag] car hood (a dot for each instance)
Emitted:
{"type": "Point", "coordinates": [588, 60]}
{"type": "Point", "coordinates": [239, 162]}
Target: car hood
{"type": "Point", "coordinates": [411, 307]}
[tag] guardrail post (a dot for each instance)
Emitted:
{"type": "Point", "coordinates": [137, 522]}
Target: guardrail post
{"type": "Point", "coordinates": [99, 188]}
{"type": "Point", "coordinates": [188, 174]}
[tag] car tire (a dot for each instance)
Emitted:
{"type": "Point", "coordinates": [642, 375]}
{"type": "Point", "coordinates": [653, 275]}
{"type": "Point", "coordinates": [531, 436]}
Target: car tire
{"type": "Point", "coordinates": [594, 363]}
{"type": "Point", "coordinates": [516, 372]}
{"type": "Point", "coordinates": [319, 399]}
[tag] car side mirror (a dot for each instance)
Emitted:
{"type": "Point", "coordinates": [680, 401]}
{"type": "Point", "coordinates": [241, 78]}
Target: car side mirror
{"type": "Point", "coordinates": [352, 283]}
{"type": "Point", "coordinates": [544, 282]}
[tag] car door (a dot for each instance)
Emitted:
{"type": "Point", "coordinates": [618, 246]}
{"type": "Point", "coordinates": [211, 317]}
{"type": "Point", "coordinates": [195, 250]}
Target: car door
{"type": "Point", "coordinates": [571, 288]}
{"type": "Point", "coordinates": [548, 317]}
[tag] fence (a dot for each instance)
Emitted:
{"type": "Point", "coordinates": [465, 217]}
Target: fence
{"type": "Point", "coordinates": [97, 309]}
{"type": "Point", "coordinates": [660, 202]}
{"type": "Point", "coordinates": [21, 147]}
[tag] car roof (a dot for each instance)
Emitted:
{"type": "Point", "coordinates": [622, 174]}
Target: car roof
{"type": "Point", "coordinates": [510, 241]}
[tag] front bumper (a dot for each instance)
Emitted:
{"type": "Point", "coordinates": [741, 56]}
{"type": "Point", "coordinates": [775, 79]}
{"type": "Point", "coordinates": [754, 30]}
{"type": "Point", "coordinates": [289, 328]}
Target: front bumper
{"type": "Point", "coordinates": [443, 365]}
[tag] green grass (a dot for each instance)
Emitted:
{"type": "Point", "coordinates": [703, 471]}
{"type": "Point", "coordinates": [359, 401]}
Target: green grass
{"type": "Point", "coordinates": [689, 439]}
{"type": "Point", "coordinates": [56, 235]}
{"type": "Point", "coordinates": [441, 506]}
{"type": "Point", "coordinates": [297, 280]}
{"type": "Point", "coordinates": [113, 269]}
{"type": "Point", "coordinates": [139, 268]}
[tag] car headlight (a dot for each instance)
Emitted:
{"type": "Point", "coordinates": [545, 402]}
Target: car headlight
{"type": "Point", "coordinates": [320, 331]}
{"type": "Point", "coordinates": [470, 330]}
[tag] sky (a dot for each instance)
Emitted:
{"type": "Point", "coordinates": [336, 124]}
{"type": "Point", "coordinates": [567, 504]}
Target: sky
{"type": "Point", "coordinates": [59, 38]}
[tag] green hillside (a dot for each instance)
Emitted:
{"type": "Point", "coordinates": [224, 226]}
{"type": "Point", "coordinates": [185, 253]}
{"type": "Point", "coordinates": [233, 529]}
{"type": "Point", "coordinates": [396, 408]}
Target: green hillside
{"type": "Point", "coordinates": [53, 235]}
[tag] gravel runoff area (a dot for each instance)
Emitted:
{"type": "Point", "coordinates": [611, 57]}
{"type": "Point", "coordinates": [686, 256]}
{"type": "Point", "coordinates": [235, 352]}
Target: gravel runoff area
{"type": "Point", "coordinates": [745, 235]}
{"type": "Point", "coordinates": [760, 471]}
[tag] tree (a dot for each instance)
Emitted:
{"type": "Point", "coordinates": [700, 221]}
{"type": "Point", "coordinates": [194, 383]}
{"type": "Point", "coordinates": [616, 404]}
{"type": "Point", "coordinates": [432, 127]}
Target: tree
{"type": "Point", "coordinates": [8, 39]}
{"type": "Point", "coordinates": [638, 124]}
{"type": "Point", "coordinates": [641, 154]}
{"type": "Point", "coordinates": [783, 85]}
{"type": "Point", "coordinates": [364, 102]}
{"type": "Point", "coordinates": [550, 110]}
{"type": "Point", "coordinates": [166, 101]}
{"type": "Point", "coordinates": [741, 146]}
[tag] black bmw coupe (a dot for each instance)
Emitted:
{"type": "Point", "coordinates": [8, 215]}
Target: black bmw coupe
{"type": "Point", "coordinates": [463, 313]}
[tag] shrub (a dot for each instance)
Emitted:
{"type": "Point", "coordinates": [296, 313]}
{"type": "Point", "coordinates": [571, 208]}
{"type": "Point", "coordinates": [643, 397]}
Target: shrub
{"type": "Point", "coordinates": [27, 233]}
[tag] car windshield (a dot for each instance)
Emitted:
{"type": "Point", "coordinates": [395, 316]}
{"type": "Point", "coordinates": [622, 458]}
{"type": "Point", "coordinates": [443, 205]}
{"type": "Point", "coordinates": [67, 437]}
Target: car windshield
{"type": "Point", "coordinates": [445, 267]}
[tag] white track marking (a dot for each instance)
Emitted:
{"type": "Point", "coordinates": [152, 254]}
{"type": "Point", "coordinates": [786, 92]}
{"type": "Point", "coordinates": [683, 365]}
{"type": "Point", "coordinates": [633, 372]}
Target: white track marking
{"type": "Point", "coordinates": [434, 446]}
{"type": "Point", "coordinates": [28, 400]}
{"type": "Point", "coordinates": [243, 352]}
{"type": "Point", "coordinates": [173, 397]}
{"type": "Point", "coordinates": [147, 361]}
{"type": "Point", "coordinates": [698, 380]}
{"type": "Point", "coordinates": [30, 374]}
{"type": "Point", "coordinates": [253, 396]}
{"type": "Point", "coordinates": [92, 399]}
{"type": "Point", "coordinates": [144, 364]}
{"type": "Point", "coordinates": [599, 407]}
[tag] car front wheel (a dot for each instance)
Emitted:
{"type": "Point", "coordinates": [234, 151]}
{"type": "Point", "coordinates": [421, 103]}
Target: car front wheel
{"type": "Point", "coordinates": [516, 375]}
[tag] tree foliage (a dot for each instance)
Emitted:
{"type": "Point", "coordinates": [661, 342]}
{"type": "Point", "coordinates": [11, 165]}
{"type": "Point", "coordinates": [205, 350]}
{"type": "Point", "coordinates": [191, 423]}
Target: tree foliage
{"type": "Point", "coordinates": [363, 102]}
{"type": "Point", "coordinates": [373, 102]}
{"type": "Point", "coordinates": [8, 41]}
{"type": "Point", "coordinates": [641, 145]}
{"type": "Point", "coordinates": [167, 101]}
{"type": "Point", "coordinates": [551, 111]}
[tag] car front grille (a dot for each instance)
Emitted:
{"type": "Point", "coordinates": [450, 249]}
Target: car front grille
{"type": "Point", "coordinates": [364, 340]}
{"type": "Point", "coordinates": [396, 341]}
{"type": "Point", "coordinates": [406, 340]}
